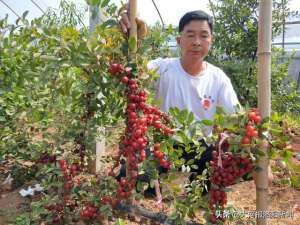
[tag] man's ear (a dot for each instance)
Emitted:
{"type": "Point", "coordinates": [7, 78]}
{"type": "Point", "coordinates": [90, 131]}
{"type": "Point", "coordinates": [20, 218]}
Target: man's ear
{"type": "Point", "coordinates": [178, 40]}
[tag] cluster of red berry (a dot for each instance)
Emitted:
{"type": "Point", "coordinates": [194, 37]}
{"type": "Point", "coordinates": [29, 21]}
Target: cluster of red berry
{"type": "Point", "coordinates": [253, 119]}
{"type": "Point", "coordinates": [69, 173]}
{"type": "Point", "coordinates": [140, 116]}
{"type": "Point", "coordinates": [233, 167]}
{"type": "Point", "coordinates": [89, 211]}
{"type": "Point", "coordinates": [58, 212]}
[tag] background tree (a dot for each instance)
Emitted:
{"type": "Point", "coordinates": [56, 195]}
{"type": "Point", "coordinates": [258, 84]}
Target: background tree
{"type": "Point", "coordinates": [235, 48]}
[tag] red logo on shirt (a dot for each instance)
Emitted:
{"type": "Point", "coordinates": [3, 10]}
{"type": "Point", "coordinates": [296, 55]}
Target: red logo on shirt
{"type": "Point", "coordinates": [206, 102]}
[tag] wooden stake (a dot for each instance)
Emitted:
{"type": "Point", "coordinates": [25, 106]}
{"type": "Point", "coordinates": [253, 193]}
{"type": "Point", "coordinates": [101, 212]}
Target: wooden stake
{"type": "Point", "coordinates": [264, 101]}
{"type": "Point", "coordinates": [133, 28]}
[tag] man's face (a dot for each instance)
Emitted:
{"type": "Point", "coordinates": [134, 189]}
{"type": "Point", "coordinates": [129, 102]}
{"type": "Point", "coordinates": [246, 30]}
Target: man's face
{"type": "Point", "coordinates": [195, 39]}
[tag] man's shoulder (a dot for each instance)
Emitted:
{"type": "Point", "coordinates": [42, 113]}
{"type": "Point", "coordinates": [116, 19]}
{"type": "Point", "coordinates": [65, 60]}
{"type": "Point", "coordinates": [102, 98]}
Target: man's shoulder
{"type": "Point", "coordinates": [217, 72]}
{"type": "Point", "coordinates": [161, 62]}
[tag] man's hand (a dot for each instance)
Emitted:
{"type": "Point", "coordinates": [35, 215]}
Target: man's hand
{"type": "Point", "coordinates": [125, 23]}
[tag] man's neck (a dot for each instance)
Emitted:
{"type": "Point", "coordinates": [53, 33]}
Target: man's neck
{"type": "Point", "coordinates": [193, 67]}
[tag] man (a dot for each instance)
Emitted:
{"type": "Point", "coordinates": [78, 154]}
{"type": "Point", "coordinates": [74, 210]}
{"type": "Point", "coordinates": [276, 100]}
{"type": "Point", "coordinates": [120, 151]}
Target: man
{"type": "Point", "coordinates": [189, 82]}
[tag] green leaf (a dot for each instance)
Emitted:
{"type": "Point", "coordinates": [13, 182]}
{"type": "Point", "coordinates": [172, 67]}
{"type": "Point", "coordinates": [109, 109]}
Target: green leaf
{"type": "Point", "coordinates": [272, 153]}
{"type": "Point", "coordinates": [295, 181]}
{"type": "Point", "coordinates": [207, 122]}
{"type": "Point", "coordinates": [286, 155]}
{"type": "Point", "coordinates": [132, 43]}
{"type": "Point", "coordinates": [25, 14]}
{"type": "Point", "coordinates": [190, 118]}
{"type": "Point", "coordinates": [109, 23]}
{"type": "Point", "coordinates": [104, 3]}
{"type": "Point", "coordinates": [259, 152]}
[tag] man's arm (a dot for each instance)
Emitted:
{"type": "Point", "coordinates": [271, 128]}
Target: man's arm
{"type": "Point", "coordinates": [227, 97]}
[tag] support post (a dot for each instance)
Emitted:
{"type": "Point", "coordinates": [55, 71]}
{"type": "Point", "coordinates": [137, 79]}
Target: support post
{"type": "Point", "coordinates": [264, 100]}
{"type": "Point", "coordinates": [96, 17]}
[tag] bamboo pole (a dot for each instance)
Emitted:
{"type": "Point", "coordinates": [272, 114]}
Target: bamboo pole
{"type": "Point", "coordinates": [264, 101]}
{"type": "Point", "coordinates": [133, 27]}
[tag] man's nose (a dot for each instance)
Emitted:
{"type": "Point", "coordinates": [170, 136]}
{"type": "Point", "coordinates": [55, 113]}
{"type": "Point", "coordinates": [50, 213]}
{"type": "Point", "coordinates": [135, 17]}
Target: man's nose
{"type": "Point", "coordinates": [197, 41]}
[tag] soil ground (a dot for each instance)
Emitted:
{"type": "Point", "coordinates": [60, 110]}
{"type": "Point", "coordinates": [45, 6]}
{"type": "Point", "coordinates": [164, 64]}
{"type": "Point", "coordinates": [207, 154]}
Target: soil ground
{"type": "Point", "coordinates": [243, 197]}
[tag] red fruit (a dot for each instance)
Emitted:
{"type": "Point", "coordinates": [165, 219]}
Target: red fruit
{"type": "Point", "coordinates": [155, 117]}
{"type": "Point", "coordinates": [156, 146]}
{"type": "Point", "coordinates": [213, 219]}
{"type": "Point", "coordinates": [251, 116]}
{"type": "Point", "coordinates": [143, 153]}
{"type": "Point", "coordinates": [111, 173]}
{"type": "Point", "coordinates": [212, 163]}
{"type": "Point", "coordinates": [251, 133]}
{"type": "Point", "coordinates": [115, 69]}
{"type": "Point", "coordinates": [165, 164]}
{"type": "Point", "coordinates": [58, 218]}
{"type": "Point", "coordinates": [142, 105]}
{"type": "Point", "coordinates": [115, 202]}
{"type": "Point", "coordinates": [122, 194]}
{"type": "Point", "coordinates": [68, 186]}
{"type": "Point", "coordinates": [158, 154]}
{"type": "Point", "coordinates": [78, 181]}
{"type": "Point", "coordinates": [246, 141]}
{"type": "Point", "coordinates": [131, 97]}
{"type": "Point", "coordinates": [157, 124]}
{"type": "Point", "coordinates": [138, 133]}
{"type": "Point", "coordinates": [142, 99]}
{"type": "Point", "coordinates": [250, 128]}
{"type": "Point", "coordinates": [143, 120]}
{"type": "Point", "coordinates": [123, 181]}
{"type": "Point", "coordinates": [134, 174]}
{"type": "Point", "coordinates": [67, 177]}
{"type": "Point", "coordinates": [124, 80]}
{"type": "Point", "coordinates": [134, 145]}
{"type": "Point", "coordinates": [167, 131]}
{"type": "Point", "coordinates": [62, 163]}
{"type": "Point", "coordinates": [132, 106]}
{"type": "Point", "coordinates": [144, 129]}
{"type": "Point", "coordinates": [140, 141]}
{"type": "Point", "coordinates": [142, 93]}
{"type": "Point", "coordinates": [105, 200]}
{"type": "Point", "coordinates": [257, 119]}
{"type": "Point", "coordinates": [214, 154]}
{"type": "Point", "coordinates": [162, 161]}
{"type": "Point", "coordinates": [133, 86]}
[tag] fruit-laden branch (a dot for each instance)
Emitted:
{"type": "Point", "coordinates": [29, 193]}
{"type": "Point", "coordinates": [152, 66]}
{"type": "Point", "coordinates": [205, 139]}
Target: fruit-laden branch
{"type": "Point", "coordinates": [156, 217]}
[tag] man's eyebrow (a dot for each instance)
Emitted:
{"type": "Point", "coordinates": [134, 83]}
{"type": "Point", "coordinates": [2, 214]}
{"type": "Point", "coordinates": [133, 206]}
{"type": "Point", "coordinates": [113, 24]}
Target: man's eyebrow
{"type": "Point", "coordinates": [193, 31]}
{"type": "Point", "coordinates": [190, 31]}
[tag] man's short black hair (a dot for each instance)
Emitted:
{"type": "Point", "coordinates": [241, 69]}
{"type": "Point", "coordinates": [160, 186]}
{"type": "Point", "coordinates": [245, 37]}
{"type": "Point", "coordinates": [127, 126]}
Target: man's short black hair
{"type": "Point", "coordinates": [195, 15]}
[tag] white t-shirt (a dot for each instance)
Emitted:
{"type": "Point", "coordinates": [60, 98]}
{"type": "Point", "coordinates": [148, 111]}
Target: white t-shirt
{"type": "Point", "coordinates": [198, 94]}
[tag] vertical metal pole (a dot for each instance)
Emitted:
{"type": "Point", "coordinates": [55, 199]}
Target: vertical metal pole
{"type": "Point", "coordinates": [283, 24]}
{"type": "Point", "coordinates": [95, 17]}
